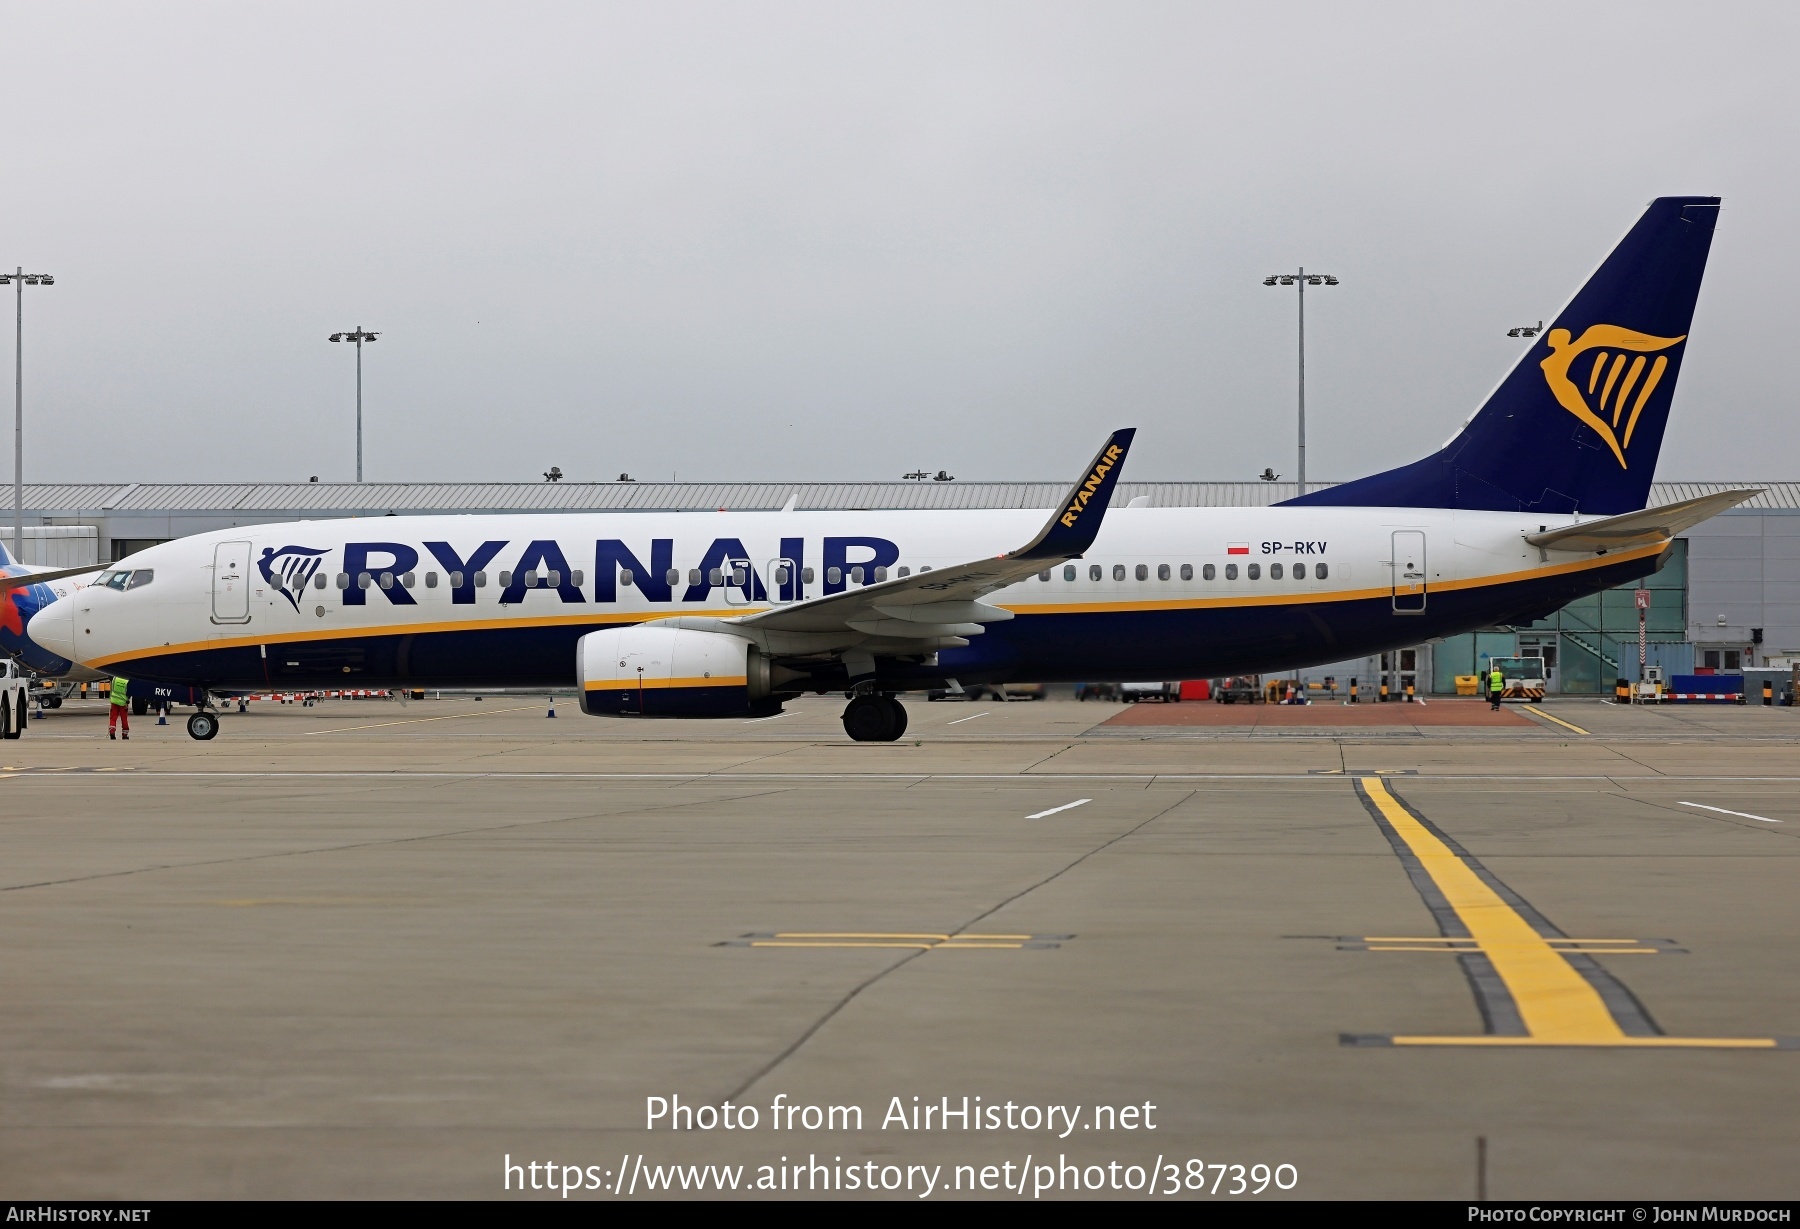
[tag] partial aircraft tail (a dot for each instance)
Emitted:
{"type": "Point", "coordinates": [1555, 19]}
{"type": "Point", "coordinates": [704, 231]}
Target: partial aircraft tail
{"type": "Point", "coordinates": [6, 559]}
{"type": "Point", "coordinates": [1577, 425]}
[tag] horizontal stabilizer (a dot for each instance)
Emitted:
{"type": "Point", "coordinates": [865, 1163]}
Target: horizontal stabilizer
{"type": "Point", "coordinates": [1641, 528]}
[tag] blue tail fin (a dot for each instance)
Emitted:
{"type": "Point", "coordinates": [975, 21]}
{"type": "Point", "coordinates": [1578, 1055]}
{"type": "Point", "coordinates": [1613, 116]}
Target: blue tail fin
{"type": "Point", "coordinates": [1578, 423]}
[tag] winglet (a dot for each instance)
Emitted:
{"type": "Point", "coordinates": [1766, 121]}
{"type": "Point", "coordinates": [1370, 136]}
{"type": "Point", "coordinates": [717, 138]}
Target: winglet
{"type": "Point", "coordinates": [1076, 523]}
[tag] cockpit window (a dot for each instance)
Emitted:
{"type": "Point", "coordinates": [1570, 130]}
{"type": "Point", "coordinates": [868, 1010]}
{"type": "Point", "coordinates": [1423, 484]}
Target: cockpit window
{"type": "Point", "coordinates": [141, 577]}
{"type": "Point", "coordinates": [113, 580]}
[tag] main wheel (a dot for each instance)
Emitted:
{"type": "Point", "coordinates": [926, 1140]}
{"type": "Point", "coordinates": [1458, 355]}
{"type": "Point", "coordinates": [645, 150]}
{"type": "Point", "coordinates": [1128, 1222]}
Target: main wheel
{"type": "Point", "coordinates": [870, 719]}
{"type": "Point", "coordinates": [202, 725]}
{"type": "Point", "coordinates": [140, 706]}
{"type": "Point", "coordinates": [896, 714]}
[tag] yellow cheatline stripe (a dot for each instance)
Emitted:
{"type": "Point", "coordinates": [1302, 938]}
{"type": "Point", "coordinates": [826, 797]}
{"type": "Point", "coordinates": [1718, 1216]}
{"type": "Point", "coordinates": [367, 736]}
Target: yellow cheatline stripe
{"type": "Point", "coordinates": [655, 684]}
{"type": "Point", "coordinates": [1341, 595]}
{"type": "Point", "coordinates": [1554, 1001]}
{"type": "Point", "coordinates": [1568, 725]}
{"type": "Point", "coordinates": [1557, 1005]}
{"type": "Point", "coordinates": [493, 712]}
{"type": "Point", "coordinates": [923, 947]}
{"type": "Point", "coordinates": [600, 619]}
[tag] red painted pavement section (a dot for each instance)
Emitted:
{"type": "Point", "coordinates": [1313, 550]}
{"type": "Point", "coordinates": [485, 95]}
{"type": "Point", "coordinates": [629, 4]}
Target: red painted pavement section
{"type": "Point", "coordinates": [1394, 714]}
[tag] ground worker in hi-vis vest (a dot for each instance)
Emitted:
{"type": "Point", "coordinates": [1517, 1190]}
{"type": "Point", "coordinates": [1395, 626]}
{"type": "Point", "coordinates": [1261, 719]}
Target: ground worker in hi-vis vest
{"type": "Point", "coordinates": [119, 710]}
{"type": "Point", "coordinates": [1496, 687]}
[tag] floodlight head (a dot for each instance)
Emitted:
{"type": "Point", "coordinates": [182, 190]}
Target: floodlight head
{"type": "Point", "coordinates": [31, 280]}
{"type": "Point", "coordinates": [1512, 332]}
{"type": "Point", "coordinates": [1270, 281]}
{"type": "Point", "coordinates": [337, 337]}
{"type": "Point", "coordinates": [5, 279]}
{"type": "Point", "coordinates": [1330, 280]}
{"type": "Point", "coordinates": [1287, 281]}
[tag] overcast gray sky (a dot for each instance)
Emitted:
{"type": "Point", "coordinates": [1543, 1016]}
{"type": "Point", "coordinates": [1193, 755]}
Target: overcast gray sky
{"type": "Point", "coordinates": [840, 240]}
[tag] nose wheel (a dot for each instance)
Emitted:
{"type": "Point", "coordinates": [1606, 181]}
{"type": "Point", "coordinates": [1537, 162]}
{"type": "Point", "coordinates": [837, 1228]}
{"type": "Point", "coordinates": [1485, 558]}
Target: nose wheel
{"type": "Point", "coordinates": [202, 726]}
{"type": "Point", "coordinates": [874, 719]}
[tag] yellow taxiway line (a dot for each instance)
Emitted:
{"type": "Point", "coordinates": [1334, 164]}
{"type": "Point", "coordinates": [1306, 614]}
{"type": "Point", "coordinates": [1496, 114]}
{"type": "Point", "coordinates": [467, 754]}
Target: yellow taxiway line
{"type": "Point", "coordinates": [1567, 725]}
{"type": "Point", "coordinates": [1556, 1003]}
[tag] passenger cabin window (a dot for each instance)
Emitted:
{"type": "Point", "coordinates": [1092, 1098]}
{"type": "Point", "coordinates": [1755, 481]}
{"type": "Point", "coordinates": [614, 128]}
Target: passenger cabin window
{"type": "Point", "coordinates": [880, 575]}
{"type": "Point", "coordinates": [319, 581]}
{"type": "Point", "coordinates": [578, 579]}
{"type": "Point", "coordinates": [693, 576]}
{"type": "Point", "coordinates": [456, 580]}
{"type": "Point", "coordinates": [626, 578]}
{"type": "Point", "coordinates": [1143, 571]}
{"type": "Point", "coordinates": [806, 575]}
{"type": "Point", "coordinates": [672, 576]}
{"type": "Point", "coordinates": [1162, 571]}
{"type": "Point", "coordinates": [481, 580]}
{"type": "Point", "coordinates": [1254, 571]}
{"type": "Point", "coordinates": [833, 575]}
{"type": "Point", "coordinates": [1044, 575]}
{"type": "Point", "coordinates": [856, 575]}
{"type": "Point", "coordinates": [364, 580]}
{"type": "Point", "coordinates": [1118, 571]}
{"type": "Point", "coordinates": [1274, 571]}
{"type": "Point", "coordinates": [409, 580]}
{"type": "Point", "coordinates": [505, 579]}
{"type": "Point", "coordinates": [387, 580]}
{"type": "Point", "coordinates": [1321, 571]}
{"type": "Point", "coordinates": [431, 580]}
{"type": "Point", "coordinates": [1299, 571]}
{"type": "Point", "coordinates": [1230, 571]}
{"type": "Point", "coordinates": [715, 577]}
{"type": "Point", "coordinates": [1094, 572]}
{"type": "Point", "coordinates": [343, 580]}
{"type": "Point", "coordinates": [141, 577]}
{"type": "Point", "coordinates": [1069, 571]}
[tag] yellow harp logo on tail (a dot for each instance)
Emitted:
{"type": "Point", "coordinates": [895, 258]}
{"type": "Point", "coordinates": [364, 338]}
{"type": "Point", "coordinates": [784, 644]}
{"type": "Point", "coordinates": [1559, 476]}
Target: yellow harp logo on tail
{"type": "Point", "coordinates": [1617, 372]}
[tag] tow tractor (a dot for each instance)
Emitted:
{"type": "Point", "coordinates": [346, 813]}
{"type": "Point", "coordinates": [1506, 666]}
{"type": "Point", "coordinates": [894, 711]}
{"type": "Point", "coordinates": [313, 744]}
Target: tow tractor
{"type": "Point", "coordinates": [1524, 677]}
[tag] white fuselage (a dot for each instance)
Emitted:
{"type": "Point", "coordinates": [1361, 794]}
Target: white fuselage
{"type": "Point", "coordinates": [282, 604]}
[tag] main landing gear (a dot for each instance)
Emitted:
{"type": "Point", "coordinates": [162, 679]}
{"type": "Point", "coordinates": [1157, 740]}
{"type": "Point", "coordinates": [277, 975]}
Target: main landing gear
{"type": "Point", "coordinates": [874, 719]}
{"type": "Point", "coordinates": [203, 725]}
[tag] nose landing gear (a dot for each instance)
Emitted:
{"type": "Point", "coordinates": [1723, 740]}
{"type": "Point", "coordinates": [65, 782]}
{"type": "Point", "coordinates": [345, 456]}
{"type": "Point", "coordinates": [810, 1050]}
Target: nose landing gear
{"type": "Point", "coordinates": [202, 725]}
{"type": "Point", "coordinates": [874, 719]}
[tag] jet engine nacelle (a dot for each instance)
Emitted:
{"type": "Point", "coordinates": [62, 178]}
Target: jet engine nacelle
{"type": "Point", "coordinates": [653, 670]}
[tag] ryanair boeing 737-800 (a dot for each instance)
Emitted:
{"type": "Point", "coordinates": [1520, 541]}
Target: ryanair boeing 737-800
{"type": "Point", "coordinates": [1538, 500]}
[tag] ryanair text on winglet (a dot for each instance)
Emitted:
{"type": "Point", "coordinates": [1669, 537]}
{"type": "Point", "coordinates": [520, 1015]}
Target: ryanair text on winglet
{"type": "Point", "coordinates": [1088, 488]}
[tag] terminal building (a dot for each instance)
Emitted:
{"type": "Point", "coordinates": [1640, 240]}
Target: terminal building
{"type": "Point", "coordinates": [1727, 600]}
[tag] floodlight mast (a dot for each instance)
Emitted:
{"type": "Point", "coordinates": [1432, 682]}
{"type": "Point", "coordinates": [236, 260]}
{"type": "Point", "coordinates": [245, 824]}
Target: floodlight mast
{"type": "Point", "coordinates": [1301, 279]}
{"type": "Point", "coordinates": [358, 336]}
{"type": "Point", "coordinates": [21, 279]}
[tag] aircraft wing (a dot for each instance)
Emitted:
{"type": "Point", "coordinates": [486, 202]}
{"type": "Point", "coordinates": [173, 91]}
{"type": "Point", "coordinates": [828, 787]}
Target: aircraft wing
{"type": "Point", "coordinates": [32, 578]}
{"type": "Point", "coordinates": [946, 601]}
{"type": "Point", "coordinates": [1641, 528]}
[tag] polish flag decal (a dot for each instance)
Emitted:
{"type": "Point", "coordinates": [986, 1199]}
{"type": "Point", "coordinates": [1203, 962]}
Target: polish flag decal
{"type": "Point", "coordinates": [1237, 548]}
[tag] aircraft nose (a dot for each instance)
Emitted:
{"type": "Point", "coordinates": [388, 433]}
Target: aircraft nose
{"type": "Point", "coordinates": [53, 628]}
